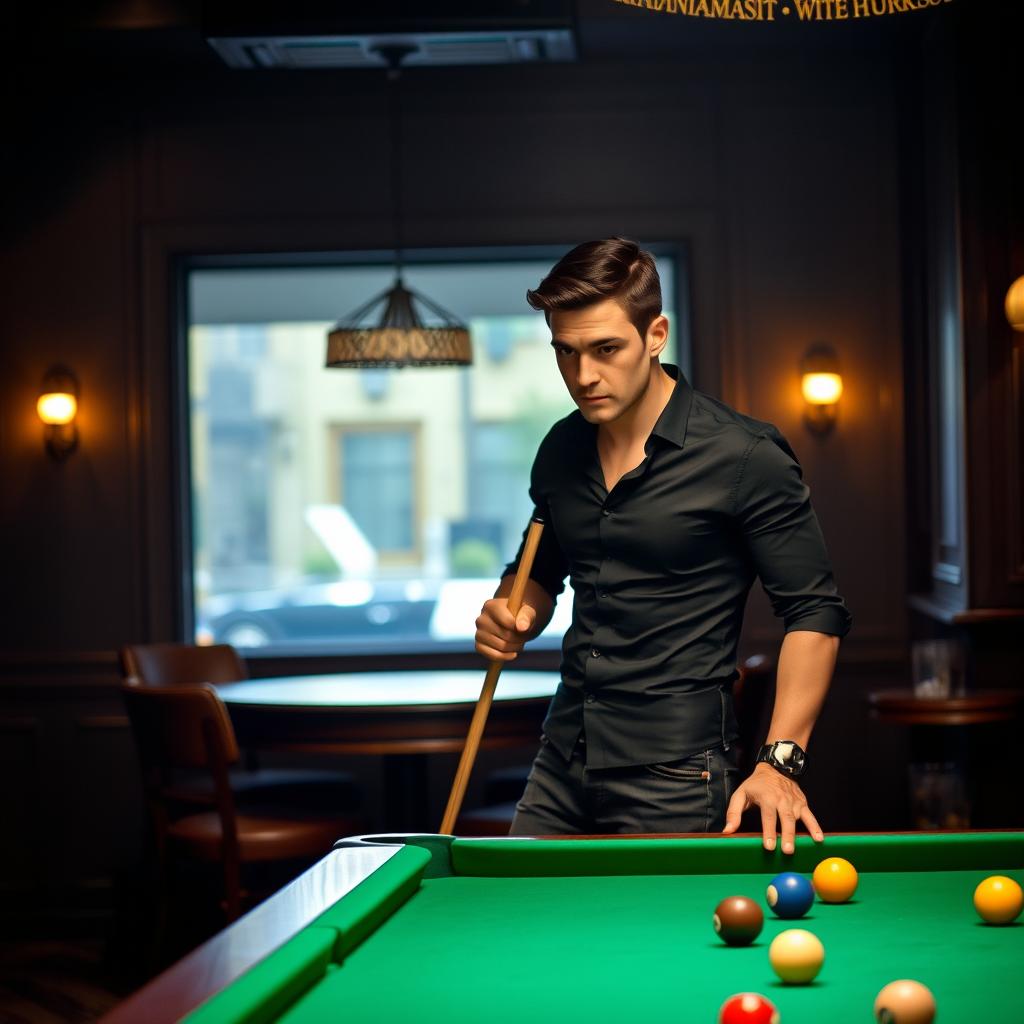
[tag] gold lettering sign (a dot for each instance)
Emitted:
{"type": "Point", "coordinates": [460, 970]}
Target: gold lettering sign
{"type": "Point", "coordinates": [776, 10]}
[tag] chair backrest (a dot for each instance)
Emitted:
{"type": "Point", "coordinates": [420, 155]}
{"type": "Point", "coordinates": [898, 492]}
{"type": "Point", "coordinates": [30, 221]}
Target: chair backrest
{"type": "Point", "coordinates": [180, 727]}
{"type": "Point", "coordinates": [179, 664]}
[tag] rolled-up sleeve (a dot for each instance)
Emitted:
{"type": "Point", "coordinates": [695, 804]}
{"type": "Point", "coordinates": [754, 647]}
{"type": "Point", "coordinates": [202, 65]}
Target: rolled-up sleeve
{"type": "Point", "coordinates": [780, 529]}
{"type": "Point", "coordinates": [550, 566]}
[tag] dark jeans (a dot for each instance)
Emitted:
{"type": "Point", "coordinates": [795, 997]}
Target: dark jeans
{"type": "Point", "coordinates": [689, 795]}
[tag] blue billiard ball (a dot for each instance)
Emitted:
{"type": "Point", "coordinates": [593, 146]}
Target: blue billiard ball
{"type": "Point", "coordinates": [790, 895]}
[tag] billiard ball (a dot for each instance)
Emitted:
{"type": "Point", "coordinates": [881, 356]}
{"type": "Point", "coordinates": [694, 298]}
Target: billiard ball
{"type": "Point", "coordinates": [748, 1008]}
{"type": "Point", "coordinates": [905, 1002]}
{"type": "Point", "coordinates": [796, 956]}
{"type": "Point", "coordinates": [998, 899]}
{"type": "Point", "coordinates": [738, 920]}
{"type": "Point", "coordinates": [790, 894]}
{"type": "Point", "coordinates": [835, 880]}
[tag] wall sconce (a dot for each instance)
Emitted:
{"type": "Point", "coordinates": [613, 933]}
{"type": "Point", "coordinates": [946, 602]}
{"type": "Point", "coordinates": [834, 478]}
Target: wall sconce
{"type": "Point", "coordinates": [821, 384]}
{"type": "Point", "coordinates": [57, 408]}
{"type": "Point", "coordinates": [1015, 304]}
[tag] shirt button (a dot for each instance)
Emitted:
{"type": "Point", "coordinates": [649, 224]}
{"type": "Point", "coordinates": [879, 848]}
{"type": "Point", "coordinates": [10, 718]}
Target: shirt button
{"type": "Point", "coordinates": [605, 512]}
{"type": "Point", "coordinates": [604, 593]}
{"type": "Point", "coordinates": [595, 653]}
{"type": "Point", "coordinates": [590, 698]}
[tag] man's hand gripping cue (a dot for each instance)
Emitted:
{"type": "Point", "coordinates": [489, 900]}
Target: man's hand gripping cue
{"type": "Point", "coordinates": [499, 636]}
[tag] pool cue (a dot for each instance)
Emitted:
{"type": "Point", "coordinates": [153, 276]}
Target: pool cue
{"type": "Point", "coordinates": [483, 705]}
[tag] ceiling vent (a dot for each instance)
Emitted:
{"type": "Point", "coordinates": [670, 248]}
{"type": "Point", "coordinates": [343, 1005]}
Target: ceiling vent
{"type": "Point", "coordinates": [432, 49]}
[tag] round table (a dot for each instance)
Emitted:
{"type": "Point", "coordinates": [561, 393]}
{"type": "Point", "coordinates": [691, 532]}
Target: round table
{"type": "Point", "coordinates": [942, 768]}
{"type": "Point", "coordinates": [404, 716]}
{"type": "Point", "coordinates": [982, 707]}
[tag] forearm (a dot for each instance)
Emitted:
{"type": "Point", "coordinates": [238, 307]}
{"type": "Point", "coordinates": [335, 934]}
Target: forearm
{"type": "Point", "coordinates": [536, 597]}
{"type": "Point", "coordinates": [807, 660]}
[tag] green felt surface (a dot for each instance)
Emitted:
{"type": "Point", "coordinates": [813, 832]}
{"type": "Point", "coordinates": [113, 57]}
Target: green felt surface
{"type": "Point", "coordinates": [596, 930]}
{"type": "Point", "coordinates": [643, 948]}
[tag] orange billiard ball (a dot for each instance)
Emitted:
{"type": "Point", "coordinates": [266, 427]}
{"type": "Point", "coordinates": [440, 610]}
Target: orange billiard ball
{"type": "Point", "coordinates": [834, 880]}
{"type": "Point", "coordinates": [998, 899]}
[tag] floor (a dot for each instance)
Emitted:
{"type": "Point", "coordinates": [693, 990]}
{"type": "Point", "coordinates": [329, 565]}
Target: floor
{"type": "Point", "coordinates": [55, 982]}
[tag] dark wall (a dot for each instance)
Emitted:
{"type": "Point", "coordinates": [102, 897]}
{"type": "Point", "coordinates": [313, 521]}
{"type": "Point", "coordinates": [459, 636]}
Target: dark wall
{"type": "Point", "coordinates": [786, 195]}
{"type": "Point", "coordinates": [779, 171]}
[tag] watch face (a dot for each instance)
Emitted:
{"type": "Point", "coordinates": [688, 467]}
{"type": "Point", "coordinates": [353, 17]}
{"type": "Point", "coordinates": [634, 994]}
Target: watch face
{"type": "Point", "coordinates": [788, 756]}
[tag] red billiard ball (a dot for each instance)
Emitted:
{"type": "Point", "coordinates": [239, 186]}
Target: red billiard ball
{"type": "Point", "coordinates": [748, 1008]}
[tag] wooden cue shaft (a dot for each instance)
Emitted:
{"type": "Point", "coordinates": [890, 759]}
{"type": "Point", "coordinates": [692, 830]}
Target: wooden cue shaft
{"type": "Point", "coordinates": [483, 705]}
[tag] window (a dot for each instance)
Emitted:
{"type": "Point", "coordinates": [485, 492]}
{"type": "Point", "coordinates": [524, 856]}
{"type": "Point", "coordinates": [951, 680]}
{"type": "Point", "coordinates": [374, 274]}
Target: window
{"type": "Point", "coordinates": [378, 486]}
{"type": "Point", "coordinates": [499, 504]}
{"type": "Point", "coordinates": [359, 510]}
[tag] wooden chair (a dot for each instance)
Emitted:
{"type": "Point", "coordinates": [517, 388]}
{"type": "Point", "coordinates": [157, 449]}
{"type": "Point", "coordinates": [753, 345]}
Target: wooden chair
{"type": "Point", "coordinates": [751, 692]}
{"type": "Point", "coordinates": [171, 664]}
{"type": "Point", "coordinates": [187, 728]}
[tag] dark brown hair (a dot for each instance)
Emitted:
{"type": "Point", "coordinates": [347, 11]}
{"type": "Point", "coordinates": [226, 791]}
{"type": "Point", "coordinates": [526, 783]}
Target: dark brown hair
{"type": "Point", "coordinates": [609, 268]}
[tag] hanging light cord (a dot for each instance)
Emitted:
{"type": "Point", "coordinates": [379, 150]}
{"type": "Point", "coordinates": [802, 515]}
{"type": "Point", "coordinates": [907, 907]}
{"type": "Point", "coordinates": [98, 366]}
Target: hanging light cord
{"type": "Point", "coordinates": [394, 55]}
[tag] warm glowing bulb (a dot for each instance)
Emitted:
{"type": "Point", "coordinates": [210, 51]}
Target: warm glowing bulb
{"type": "Point", "coordinates": [1015, 304]}
{"type": "Point", "coordinates": [57, 407]}
{"type": "Point", "coordinates": [822, 388]}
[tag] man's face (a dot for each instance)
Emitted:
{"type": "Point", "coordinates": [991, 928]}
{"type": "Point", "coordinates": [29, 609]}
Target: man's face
{"type": "Point", "coordinates": [604, 362]}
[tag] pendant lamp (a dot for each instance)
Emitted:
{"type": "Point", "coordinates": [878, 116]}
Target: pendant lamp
{"type": "Point", "coordinates": [410, 329]}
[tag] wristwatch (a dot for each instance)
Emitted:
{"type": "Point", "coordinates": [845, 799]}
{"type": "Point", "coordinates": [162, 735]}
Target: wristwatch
{"type": "Point", "coordinates": [784, 756]}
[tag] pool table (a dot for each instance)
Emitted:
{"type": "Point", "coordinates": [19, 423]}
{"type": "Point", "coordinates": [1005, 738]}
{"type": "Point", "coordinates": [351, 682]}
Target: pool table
{"type": "Point", "coordinates": [601, 929]}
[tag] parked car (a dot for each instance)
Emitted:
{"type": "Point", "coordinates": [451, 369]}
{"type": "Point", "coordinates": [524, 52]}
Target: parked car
{"type": "Point", "coordinates": [356, 611]}
{"type": "Point", "coordinates": [392, 614]}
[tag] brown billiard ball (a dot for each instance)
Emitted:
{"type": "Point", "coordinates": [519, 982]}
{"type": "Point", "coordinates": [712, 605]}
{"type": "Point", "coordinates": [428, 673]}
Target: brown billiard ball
{"type": "Point", "coordinates": [738, 920]}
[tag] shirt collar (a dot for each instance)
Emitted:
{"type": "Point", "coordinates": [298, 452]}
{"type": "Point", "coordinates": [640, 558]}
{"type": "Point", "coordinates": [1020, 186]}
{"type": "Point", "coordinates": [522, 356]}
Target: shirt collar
{"type": "Point", "coordinates": [671, 424]}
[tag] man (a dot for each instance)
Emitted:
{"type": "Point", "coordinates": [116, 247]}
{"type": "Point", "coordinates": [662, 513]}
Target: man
{"type": "Point", "coordinates": [662, 505]}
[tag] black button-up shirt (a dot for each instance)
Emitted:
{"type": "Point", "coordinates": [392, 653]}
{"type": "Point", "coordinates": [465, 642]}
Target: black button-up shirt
{"type": "Point", "coordinates": [661, 567]}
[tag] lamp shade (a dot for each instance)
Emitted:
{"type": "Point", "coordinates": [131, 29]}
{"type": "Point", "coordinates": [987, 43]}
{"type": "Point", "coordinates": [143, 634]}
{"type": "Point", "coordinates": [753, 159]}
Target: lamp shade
{"type": "Point", "coordinates": [821, 388]}
{"type": "Point", "coordinates": [57, 407]}
{"type": "Point", "coordinates": [821, 380]}
{"type": "Point", "coordinates": [1015, 304]}
{"type": "Point", "coordinates": [821, 384]}
{"type": "Point", "coordinates": [400, 336]}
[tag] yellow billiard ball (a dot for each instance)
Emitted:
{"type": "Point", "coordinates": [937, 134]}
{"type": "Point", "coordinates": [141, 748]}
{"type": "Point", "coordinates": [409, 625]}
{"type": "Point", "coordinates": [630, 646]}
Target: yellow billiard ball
{"type": "Point", "coordinates": [834, 880]}
{"type": "Point", "coordinates": [998, 899]}
{"type": "Point", "coordinates": [796, 956]}
{"type": "Point", "coordinates": [905, 1002]}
